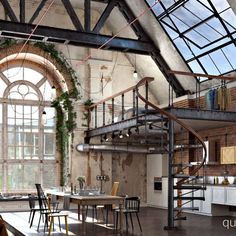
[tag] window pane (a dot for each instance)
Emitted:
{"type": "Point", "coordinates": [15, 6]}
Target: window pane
{"type": "Point", "coordinates": [31, 175]}
{"type": "Point", "coordinates": [11, 138]}
{"type": "Point", "coordinates": [2, 87]}
{"type": "Point", "coordinates": [19, 152]}
{"type": "Point", "coordinates": [15, 177]}
{"type": "Point", "coordinates": [50, 173]}
{"type": "Point", "coordinates": [11, 152]}
{"type": "Point", "coordinates": [49, 144]}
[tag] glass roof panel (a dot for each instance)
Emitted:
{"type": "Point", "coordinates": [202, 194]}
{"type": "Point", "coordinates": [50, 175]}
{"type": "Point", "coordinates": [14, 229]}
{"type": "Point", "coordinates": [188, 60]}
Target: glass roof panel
{"type": "Point", "coordinates": [203, 32]}
{"type": "Point", "coordinates": [220, 5]}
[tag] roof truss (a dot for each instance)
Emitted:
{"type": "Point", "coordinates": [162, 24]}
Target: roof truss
{"type": "Point", "coordinates": [83, 35]}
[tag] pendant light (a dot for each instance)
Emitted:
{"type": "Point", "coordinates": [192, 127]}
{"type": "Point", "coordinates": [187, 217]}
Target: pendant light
{"type": "Point", "coordinates": [44, 118]}
{"type": "Point", "coordinates": [53, 93]}
{"type": "Point", "coordinates": [135, 74]}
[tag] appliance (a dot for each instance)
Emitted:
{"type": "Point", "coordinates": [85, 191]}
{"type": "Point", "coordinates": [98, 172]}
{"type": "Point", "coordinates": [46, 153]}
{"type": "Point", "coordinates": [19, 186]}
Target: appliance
{"type": "Point", "coordinates": [158, 183]}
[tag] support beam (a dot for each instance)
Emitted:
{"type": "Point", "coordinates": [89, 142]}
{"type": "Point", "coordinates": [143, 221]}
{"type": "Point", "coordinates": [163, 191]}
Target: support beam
{"type": "Point", "coordinates": [73, 16]}
{"type": "Point", "coordinates": [170, 224]}
{"type": "Point", "coordinates": [36, 13]}
{"type": "Point", "coordinates": [87, 15]}
{"type": "Point", "coordinates": [104, 16]}
{"type": "Point", "coordinates": [22, 11]}
{"type": "Point", "coordinates": [23, 30]}
{"type": "Point", "coordinates": [195, 114]}
{"type": "Point", "coordinates": [130, 17]}
{"type": "Point", "coordinates": [9, 10]}
{"type": "Point", "coordinates": [156, 55]}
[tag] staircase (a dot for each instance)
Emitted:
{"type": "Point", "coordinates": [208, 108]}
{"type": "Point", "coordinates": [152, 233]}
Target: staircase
{"type": "Point", "coordinates": [186, 180]}
{"type": "Point", "coordinates": [158, 129]}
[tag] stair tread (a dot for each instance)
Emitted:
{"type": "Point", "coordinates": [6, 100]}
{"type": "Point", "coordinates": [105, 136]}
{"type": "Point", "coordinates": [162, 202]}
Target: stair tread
{"type": "Point", "coordinates": [185, 176]}
{"type": "Point", "coordinates": [186, 208]}
{"type": "Point", "coordinates": [181, 218]}
{"type": "Point", "coordinates": [199, 187]}
{"type": "Point", "coordinates": [189, 198]}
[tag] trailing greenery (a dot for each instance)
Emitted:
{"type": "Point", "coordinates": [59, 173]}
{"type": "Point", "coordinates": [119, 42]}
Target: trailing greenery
{"type": "Point", "coordinates": [61, 60]}
{"type": "Point", "coordinates": [86, 118]}
{"type": "Point", "coordinates": [5, 43]}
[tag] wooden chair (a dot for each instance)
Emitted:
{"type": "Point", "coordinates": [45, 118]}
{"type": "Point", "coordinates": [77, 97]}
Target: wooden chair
{"type": "Point", "coordinates": [132, 205]}
{"type": "Point", "coordinates": [108, 208]}
{"type": "Point", "coordinates": [113, 192]}
{"type": "Point", "coordinates": [50, 211]}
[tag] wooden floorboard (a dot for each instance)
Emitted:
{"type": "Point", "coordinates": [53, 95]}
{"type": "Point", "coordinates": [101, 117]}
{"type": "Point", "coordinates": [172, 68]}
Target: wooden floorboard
{"type": "Point", "coordinates": [153, 221]}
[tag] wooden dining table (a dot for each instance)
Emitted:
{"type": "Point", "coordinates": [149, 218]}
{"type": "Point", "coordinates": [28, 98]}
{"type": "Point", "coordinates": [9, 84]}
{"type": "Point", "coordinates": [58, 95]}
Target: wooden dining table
{"type": "Point", "coordinates": [90, 200]}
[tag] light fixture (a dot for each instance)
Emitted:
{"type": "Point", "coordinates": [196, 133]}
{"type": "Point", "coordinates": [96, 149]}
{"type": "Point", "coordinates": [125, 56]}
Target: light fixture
{"type": "Point", "coordinates": [121, 135]}
{"type": "Point", "coordinates": [135, 74]}
{"type": "Point", "coordinates": [150, 126]}
{"type": "Point", "coordinates": [53, 93]}
{"type": "Point", "coordinates": [113, 135]}
{"type": "Point", "coordinates": [129, 133]}
{"type": "Point", "coordinates": [105, 138]}
{"type": "Point", "coordinates": [44, 118]}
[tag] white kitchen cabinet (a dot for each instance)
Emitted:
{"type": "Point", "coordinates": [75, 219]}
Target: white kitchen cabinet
{"type": "Point", "coordinates": [205, 206]}
{"type": "Point", "coordinates": [230, 196]}
{"type": "Point", "coordinates": [156, 167]}
{"type": "Point", "coordinates": [218, 195]}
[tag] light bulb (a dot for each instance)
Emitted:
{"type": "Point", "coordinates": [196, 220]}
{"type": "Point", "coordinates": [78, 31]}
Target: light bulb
{"type": "Point", "coordinates": [53, 93]}
{"type": "Point", "coordinates": [135, 74]}
{"type": "Point", "coordinates": [44, 118]}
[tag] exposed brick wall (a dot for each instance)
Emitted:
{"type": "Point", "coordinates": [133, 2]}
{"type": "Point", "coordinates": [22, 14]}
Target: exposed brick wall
{"type": "Point", "coordinates": [224, 137]}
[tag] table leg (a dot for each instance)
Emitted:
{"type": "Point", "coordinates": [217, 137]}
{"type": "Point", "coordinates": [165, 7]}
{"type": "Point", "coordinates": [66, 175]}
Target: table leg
{"type": "Point", "coordinates": [78, 211]}
{"type": "Point", "coordinates": [83, 218]}
{"type": "Point", "coordinates": [121, 218]}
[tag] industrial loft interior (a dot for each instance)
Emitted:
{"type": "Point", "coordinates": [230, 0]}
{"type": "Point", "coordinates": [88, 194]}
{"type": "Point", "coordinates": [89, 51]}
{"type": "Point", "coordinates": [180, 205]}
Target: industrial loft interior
{"type": "Point", "coordinates": [117, 117]}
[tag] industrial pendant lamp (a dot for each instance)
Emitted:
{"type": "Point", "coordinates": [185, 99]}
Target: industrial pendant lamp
{"type": "Point", "coordinates": [135, 74]}
{"type": "Point", "coordinates": [44, 118]}
{"type": "Point", "coordinates": [53, 93]}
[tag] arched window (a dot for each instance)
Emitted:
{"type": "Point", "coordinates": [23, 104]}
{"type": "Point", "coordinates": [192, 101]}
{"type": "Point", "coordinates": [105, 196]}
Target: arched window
{"type": "Point", "coordinates": [28, 150]}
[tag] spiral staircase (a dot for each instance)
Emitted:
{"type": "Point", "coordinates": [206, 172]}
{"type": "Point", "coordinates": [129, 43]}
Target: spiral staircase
{"type": "Point", "coordinates": [185, 177]}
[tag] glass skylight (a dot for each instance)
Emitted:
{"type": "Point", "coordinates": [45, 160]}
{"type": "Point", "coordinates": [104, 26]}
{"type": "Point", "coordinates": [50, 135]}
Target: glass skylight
{"type": "Point", "coordinates": [203, 31]}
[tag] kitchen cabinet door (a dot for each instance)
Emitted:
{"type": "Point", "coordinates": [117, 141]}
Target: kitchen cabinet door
{"type": "Point", "coordinates": [231, 196]}
{"type": "Point", "coordinates": [205, 206]}
{"type": "Point", "coordinates": [228, 155]}
{"type": "Point", "coordinates": [218, 195]}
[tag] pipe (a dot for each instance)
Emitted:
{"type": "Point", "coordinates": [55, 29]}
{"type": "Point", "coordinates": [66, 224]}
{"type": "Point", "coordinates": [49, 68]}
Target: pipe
{"type": "Point", "coordinates": [117, 148]}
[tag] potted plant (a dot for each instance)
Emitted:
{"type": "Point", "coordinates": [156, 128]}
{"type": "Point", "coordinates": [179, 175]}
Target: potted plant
{"type": "Point", "coordinates": [81, 180]}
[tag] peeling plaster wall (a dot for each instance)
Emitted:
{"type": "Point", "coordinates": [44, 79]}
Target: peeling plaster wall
{"type": "Point", "coordinates": [130, 170]}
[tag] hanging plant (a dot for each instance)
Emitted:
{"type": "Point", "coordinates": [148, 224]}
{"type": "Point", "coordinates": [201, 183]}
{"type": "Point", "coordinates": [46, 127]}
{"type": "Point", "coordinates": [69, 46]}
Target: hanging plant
{"type": "Point", "coordinates": [86, 114]}
{"type": "Point", "coordinates": [62, 61]}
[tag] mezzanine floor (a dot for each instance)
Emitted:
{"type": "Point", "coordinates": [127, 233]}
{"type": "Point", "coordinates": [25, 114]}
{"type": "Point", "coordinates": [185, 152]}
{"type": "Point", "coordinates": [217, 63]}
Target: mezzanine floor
{"type": "Point", "coordinates": [152, 219]}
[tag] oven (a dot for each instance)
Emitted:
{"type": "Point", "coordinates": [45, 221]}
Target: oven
{"type": "Point", "coordinates": [158, 183]}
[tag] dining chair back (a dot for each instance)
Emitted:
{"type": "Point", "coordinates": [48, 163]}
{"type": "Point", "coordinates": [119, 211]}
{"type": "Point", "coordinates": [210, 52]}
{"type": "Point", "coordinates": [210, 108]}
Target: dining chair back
{"type": "Point", "coordinates": [132, 206]}
{"type": "Point", "coordinates": [115, 188]}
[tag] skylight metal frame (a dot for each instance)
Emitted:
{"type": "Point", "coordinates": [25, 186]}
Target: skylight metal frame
{"type": "Point", "coordinates": [204, 54]}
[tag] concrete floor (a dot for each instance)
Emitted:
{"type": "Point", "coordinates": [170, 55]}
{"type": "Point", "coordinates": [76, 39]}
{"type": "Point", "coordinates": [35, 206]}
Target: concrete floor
{"type": "Point", "coordinates": [152, 219]}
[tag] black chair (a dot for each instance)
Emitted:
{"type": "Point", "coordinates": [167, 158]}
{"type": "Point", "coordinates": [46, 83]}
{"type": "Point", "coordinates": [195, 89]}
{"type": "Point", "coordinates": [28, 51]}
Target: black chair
{"type": "Point", "coordinates": [50, 211]}
{"type": "Point", "coordinates": [132, 205]}
{"type": "Point", "coordinates": [44, 207]}
{"type": "Point", "coordinates": [33, 208]}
